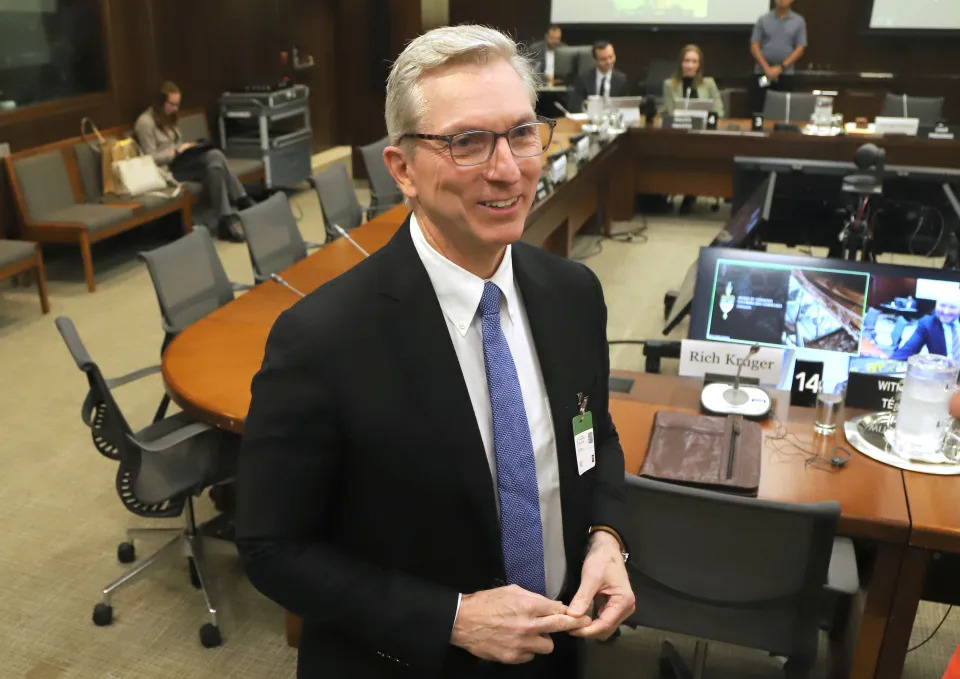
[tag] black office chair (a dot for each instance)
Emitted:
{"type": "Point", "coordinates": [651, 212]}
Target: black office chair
{"type": "Point", "coordinates": [789, 106]}
{"type": "Point", "coordinates": [190, 282]}
{"type": "Point", "coordinates": [384, 192]}
{"type": "Point", "coordinates": [273, 238]}
{"type": "Point", "coordinates": [739, 570]}
{"type": "Point", "coordinates": [161, 468]}
{"type": "Point", "coordinates": [929, 110]}
{"type": "Point", "coordinates": [658, 70]}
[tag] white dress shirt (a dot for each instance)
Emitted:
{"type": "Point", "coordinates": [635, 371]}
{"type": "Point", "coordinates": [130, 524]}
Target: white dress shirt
{"type": "Point", "coordinates": [549, 58]}
{"type": "Point", "coordinates": [603, 83]}
{"type": "Point", "coordinates": [459, 292]}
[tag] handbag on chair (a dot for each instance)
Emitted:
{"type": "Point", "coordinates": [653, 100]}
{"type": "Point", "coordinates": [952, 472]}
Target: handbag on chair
{"type": "Point", "coordinates": [124, 170]}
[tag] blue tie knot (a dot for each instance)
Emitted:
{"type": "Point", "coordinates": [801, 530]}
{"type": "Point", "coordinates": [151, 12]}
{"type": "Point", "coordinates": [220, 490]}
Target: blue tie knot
{"type": "Point", "coordinates": [490, 299]}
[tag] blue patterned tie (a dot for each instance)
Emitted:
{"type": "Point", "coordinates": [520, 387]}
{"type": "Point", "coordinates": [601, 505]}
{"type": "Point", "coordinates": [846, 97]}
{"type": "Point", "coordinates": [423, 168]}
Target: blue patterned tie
{"type": "Point", "coordinates": [520, 528]}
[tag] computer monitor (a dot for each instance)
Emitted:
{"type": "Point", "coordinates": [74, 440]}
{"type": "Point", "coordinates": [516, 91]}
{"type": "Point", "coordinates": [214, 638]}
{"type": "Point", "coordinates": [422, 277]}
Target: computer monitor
{"type": "Point", "coordinates": [629, 107]}
{"type": "Point", "coordinates": [857, 316]}
{"type": "Point", "coordinates": [705, 105]}
{"type": "Point", "coordinates": [891, 125]}
{"type": "Point", "coordinates": [738, 232]}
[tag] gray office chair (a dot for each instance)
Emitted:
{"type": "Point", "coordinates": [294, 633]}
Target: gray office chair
{"type": "Point", "coordinates": [928, 109]}
{"type": "Point", "coordinates": [725, 97]}
{"type": "Point", "coordinates": [161, 468]}
{"type": "Point", "coordinates": [190, 283]}
{"type": "Point", "coordinates": [569, 61]}
{"type": "Point", "coordinates": [273, 238]}
{"type": "Point", "coordinates": [384, 192]}
{"type": "Point", "coordinates": [338, 200]}
{"type": "Point", "coordinates": [789, 106]}
{"type": "Point", "coordinates": [733, 569]}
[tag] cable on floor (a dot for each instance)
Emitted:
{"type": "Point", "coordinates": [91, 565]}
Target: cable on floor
{"type": "Point", "coordinates": [935, 630]}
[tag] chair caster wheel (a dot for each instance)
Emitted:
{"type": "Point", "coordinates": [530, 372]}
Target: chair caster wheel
{"type": "Point", "coordinates": [102, 615]}
{"type": "Point", "coordinates": [210, 636]}
{"type": "Point", "coordinates": [126, 552]}
{"type": "Point", "coordinates": [194, 575]}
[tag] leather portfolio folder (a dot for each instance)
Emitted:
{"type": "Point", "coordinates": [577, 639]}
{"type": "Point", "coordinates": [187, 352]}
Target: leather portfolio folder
{"type": "Point", "coordinates": [714, 453]}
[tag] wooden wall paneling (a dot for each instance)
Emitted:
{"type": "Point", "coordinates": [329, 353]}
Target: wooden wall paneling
{"type": "Point", "coordinates": [370, 36]}
{"type": "Point", "coordinates": [311, 25]}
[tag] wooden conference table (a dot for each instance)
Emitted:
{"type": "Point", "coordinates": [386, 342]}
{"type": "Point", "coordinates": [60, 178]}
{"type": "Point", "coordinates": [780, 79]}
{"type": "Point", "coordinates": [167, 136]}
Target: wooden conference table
{"type": "Point", "coordinates": [207, 370]}
{"type": "Point", "coordinates": [702, 162]}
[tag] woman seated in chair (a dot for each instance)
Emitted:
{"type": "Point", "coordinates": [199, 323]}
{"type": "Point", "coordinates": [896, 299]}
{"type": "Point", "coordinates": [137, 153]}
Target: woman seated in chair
{"type": "Point", "coordinates": [158, 135]}
{"type": "Point", "coordinates": [689, 83]}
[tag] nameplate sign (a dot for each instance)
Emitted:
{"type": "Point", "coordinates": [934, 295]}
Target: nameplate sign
{"type": "Point", "coordinates": [873, 392]}
{"type": "Point", "coordinates": [941, 131]}
{"type": "Point", "coordinates": [698, 357]}
{"type": "Point", "coordinates": [543, 189]}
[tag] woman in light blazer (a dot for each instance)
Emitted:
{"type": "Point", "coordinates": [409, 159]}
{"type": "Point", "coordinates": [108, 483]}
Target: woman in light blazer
{"type": "Point", "coordinates": [689, 82]}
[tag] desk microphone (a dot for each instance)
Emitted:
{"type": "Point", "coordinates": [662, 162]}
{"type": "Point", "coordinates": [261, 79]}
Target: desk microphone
{"type": "Point", "coordinates": [560, 106]}
{"type": "Point", "coordinates": [277, 279]}
{"type": "Point", "coordinates": [723, 398]}
{"type": "Point", "coordinates": [352, 242]}
{"type": "Point", "coordinates": [736, 396]}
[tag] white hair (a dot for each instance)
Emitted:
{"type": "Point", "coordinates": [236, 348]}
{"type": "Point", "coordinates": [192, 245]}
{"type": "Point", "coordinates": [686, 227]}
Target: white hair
{"type": "Point", "coordinates": [950, 296]}
{"type": "Point", "coordinates": [468, 44]}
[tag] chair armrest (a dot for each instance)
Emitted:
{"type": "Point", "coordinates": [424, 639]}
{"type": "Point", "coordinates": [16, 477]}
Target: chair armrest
{"type": "Point", "coordinates": [842, 576]}
{"type": "Point", "coordinates": [131, 377]}
{"type": "Point", "coordinates": [164, 443]}
{"type": "Point", "coordinates": [241, 286]}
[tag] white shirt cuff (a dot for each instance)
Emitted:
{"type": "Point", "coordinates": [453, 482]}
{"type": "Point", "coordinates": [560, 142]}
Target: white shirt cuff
{"type": "Point", "coordinates": [455, 615]}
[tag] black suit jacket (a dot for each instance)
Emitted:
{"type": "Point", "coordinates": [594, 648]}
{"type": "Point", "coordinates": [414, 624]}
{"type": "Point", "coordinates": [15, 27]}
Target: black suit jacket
{"type": "Point", "coordinates": [930, 334]}
{"type": "Point", "coordinates": [365, 502]}
{"type": "Point", "coordinates": [585, 84]}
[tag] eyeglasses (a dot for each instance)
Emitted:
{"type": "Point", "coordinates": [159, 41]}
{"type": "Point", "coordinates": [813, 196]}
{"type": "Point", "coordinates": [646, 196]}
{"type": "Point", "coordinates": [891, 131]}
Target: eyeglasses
{"type": "Point", "coordinates": [474, 147]}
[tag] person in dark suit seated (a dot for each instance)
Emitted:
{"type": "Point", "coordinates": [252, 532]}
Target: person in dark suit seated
{"type": "Point", "coordinates": [542, 52]}
{"type": "Point", "coordinates": [939, 332]}
{"type": "Point", "coordinates": [604, 80]}
{"type": "Point", "coordinates": [409, 483]}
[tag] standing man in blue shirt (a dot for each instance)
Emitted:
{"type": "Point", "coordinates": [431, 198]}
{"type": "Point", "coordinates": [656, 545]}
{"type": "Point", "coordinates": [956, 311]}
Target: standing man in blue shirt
{"type": "Point", "coordinates": [778, 41]}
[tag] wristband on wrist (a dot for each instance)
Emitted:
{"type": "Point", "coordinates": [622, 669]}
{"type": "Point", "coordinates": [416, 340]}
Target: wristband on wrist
{"type": "Point", "coordinates": [616, 536]}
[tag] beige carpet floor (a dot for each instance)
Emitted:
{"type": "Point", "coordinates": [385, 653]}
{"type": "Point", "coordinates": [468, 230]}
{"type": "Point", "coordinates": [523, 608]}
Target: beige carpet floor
{"type": "Point", "coordinates": [62, 519]}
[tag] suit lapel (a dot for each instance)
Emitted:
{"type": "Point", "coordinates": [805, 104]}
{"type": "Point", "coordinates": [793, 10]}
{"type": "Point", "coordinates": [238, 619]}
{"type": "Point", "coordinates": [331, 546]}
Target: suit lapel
{"type": "Point", "coordinates": [414, 325]}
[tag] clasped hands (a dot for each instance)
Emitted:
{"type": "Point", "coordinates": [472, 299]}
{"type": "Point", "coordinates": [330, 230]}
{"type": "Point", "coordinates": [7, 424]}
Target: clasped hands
{"type": "Point", "coordinates": [511, 625]}
{"type": "Point", "coordinates": [773, 73]}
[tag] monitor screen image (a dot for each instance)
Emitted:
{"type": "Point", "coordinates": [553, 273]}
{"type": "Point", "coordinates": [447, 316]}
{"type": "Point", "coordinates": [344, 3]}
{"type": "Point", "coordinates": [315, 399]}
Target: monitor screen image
{"type": "Point", "coordinates": [723, 12]}
{"type": "Point", "coordinates": [850, 316]}
{"type": "Point", "coordinates": [789, 306]}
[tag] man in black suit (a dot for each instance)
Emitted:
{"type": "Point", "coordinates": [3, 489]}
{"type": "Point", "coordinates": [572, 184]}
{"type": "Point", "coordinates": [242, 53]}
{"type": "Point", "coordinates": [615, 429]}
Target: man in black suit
{"type": "Point", "coordinates": [543, 54]}
{"type": "Point", "coordinates": [410, 483]}
{"type": "Point", "coordinates": [939, 332]}
{"type": "Point", "coordinates": [604, 80]}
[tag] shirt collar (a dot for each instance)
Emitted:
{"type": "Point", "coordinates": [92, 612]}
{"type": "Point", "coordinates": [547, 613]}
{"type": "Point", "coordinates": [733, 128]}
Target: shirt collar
{"type": "Point", "coordinates": [458, 290]}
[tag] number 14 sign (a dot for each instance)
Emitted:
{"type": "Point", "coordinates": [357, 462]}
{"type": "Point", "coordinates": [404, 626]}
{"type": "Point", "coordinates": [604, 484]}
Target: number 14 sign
{"type": "Point", "coordinates": [807, 382]}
